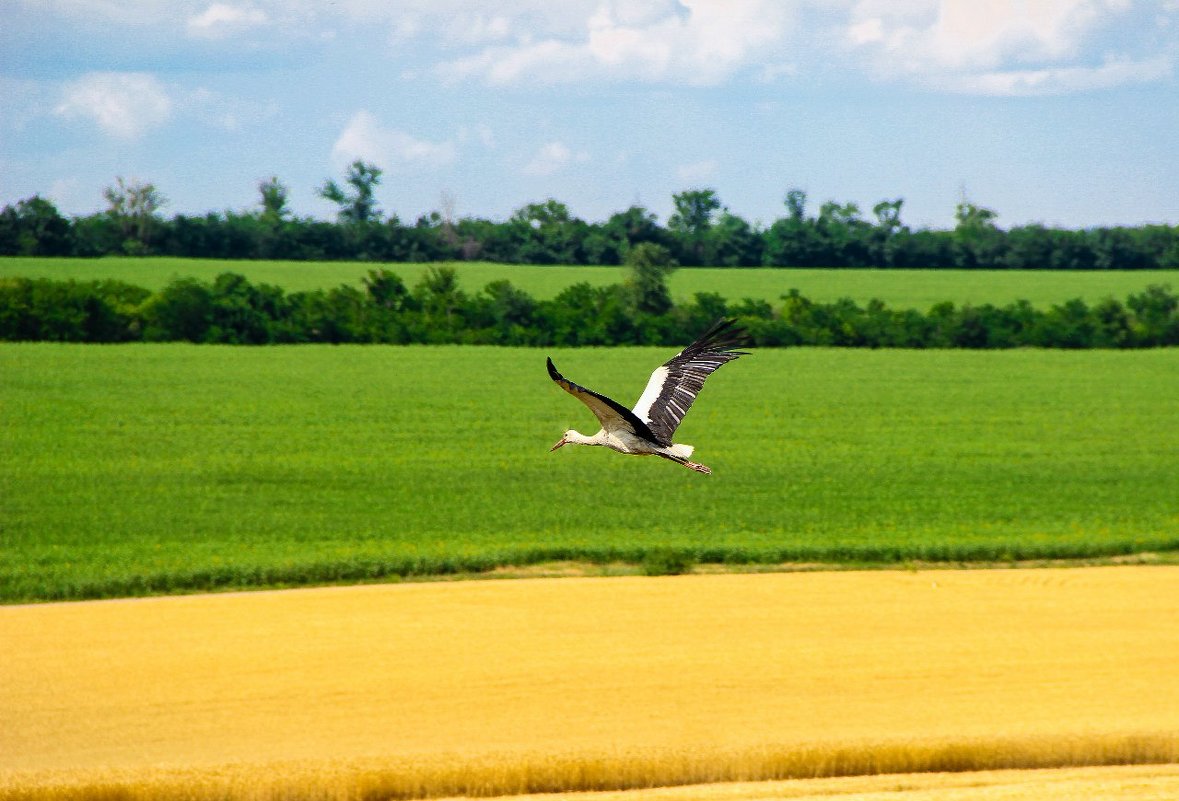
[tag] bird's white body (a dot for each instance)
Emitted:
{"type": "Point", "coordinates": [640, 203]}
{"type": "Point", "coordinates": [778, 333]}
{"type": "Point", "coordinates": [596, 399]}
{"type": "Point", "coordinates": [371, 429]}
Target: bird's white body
{"type": "Point", "coordinates": [646, 430]}
{"type": "Point", "coordinates": [626, 441]}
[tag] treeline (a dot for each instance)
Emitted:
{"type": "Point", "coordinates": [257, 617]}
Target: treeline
{"type": "Point", "coordinates": [701, 231]}
{"type": "Point", "coordinates": [231, 309]}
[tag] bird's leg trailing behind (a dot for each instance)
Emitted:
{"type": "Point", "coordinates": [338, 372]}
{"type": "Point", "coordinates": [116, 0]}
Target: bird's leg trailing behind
{"type": "Point", "coordinates": [680, 454]}
{"type": "Point", "coordinates": [699, 468]}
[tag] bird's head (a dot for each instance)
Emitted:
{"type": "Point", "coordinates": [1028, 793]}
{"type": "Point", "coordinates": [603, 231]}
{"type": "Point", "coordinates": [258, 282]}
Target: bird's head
{"type": "Point", "coordinates": [564, 440]}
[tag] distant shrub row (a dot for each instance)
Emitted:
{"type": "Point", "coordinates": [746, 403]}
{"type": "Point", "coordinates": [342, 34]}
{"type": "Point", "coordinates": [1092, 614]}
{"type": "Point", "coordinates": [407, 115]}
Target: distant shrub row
{"type": "Point", "coordinates": [230, 309]}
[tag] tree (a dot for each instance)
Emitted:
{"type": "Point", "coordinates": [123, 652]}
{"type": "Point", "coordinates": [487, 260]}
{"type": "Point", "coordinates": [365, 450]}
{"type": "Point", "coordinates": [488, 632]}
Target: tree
{"type": "Point", "coordinates": [846, 234]}
{"type": "Point", "coordinates": [921, 249]}
{"type": "Point", "coordinates": [386, 289]}
{"type": "Point", "coordinates": [793, 241]}
{"type": "Point", "coordinates": [635, 225]}
{"type": "Point", "coordinates": [888, 215]}
{"type": "Point", "coordinates": [693, 211]}
{"type": "Point", "coordinates": [796, 204]}
{"type": "Point", "coordinates": [133, 206]}
{"type": "Point", "coordinates": [447, 233]}
{"type": "Point", "coordinates": [34, 227]}
{"type": "Point", "coordinates": [1072, 250]}
{"type": "Point", "coordinates": [1157, 316]}
{"type": "Point", "coordinates": [888, 227]}
{"type": "Point", "coordinates": [440, 297]}
{"type": "Point", "coordinates": [1117, 249]}
{"type": "Point", "coordinates": [360, 204]}
{"type": "Point", "coordinates": [508, 311]}
{"type": "Point", "coordinates": [274, 199]}
{"type": "Point", "coordinates": [608, 242]}
{"type": "Point", "coordinates": [551, 213]}
{"type": "Point", "coordinates": [1029, 247]}
{"type": "Point", "coordinates": [977, 242]}
{"type": "Point", "coordinates": [243, 313]}
{"type": "Point", "coordinates": [1169, 260]}
{"type": "Point", "coordinates": [734, 242]}
{"type": "Point", "coordinates": [546, 233]}
{"type": "Point", "coordinates": [970, 217]}
{"type": "Point", "coordinates": [649, 265]}
{"type": "Point", "coordinates": [831, 213]}
{"type": "Point", "coordinates": [181, 310]}
{"type": "Point", "coordinates": [692, 220]}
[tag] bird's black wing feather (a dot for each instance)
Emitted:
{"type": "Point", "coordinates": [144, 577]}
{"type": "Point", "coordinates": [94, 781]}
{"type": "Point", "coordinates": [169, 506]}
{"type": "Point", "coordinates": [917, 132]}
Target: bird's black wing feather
{"type": "Point", "coordinates": [674, 386]}
{"type": "Point", "coordinates": [610, 413]}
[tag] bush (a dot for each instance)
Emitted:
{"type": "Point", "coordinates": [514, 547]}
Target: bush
{"type": "Point", "coordinates": [40, 309]}
{"type": "Point", "coordinates": [183, 310]}
{"type": "Point", "coordinates": [667, 562]}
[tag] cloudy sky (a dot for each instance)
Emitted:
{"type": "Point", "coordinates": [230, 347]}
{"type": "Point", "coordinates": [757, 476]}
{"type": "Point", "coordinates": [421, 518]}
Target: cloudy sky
{"type": "Point", "coordinates": [1064, 112]}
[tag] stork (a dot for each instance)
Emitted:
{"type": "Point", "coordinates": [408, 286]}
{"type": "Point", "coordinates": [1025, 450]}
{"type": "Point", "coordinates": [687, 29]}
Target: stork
{"type": "Point", "coordinates": [647, 429]}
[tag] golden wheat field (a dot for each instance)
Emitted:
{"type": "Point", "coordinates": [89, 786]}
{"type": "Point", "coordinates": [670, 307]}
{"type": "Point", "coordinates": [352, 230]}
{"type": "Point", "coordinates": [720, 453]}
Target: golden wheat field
{"type": "Point", "coordinates": [550, 685]}
{"type": "Point", "coordinates": [1121, 783]}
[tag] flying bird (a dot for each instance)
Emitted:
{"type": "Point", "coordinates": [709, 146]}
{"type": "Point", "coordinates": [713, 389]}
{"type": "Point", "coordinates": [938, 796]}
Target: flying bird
{"type": "Point", "coordinates": [648, 428]}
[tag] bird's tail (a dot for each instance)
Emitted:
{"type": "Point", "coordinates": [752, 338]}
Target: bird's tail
{"type": "Point", "coordinates": [682, 451]}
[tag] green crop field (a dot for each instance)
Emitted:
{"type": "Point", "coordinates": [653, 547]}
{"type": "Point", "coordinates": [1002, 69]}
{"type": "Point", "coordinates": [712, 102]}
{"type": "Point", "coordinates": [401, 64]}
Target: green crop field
{"type": "Point", "coordinates": [918, 289]}
{"type": "Point", "coordinates": [163, 468]}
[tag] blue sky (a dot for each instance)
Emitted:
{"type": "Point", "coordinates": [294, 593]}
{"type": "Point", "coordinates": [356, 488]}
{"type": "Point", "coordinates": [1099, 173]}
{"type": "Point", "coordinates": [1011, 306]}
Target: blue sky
{"type": "Point", "coordinates": [1064, 112]}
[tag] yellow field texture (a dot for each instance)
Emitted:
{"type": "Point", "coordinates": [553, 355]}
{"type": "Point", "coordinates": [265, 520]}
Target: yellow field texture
{"type": "Point", "coordinates": [500, 687]}
{"type": "Point", "coordinates": [1122, 783]}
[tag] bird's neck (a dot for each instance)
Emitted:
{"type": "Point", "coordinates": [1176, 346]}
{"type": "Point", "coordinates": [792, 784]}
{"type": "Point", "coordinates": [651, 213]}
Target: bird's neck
{"type": "Point", "coordinates": [577, 438]}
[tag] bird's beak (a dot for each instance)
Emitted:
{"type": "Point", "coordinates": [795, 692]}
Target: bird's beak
{"type": "Point", "coordinates": [560, 442]}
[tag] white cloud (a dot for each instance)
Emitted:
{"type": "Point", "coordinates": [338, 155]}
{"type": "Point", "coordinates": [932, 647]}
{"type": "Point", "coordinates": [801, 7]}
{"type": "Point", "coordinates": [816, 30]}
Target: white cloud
{"type": "Point", "coordinates": [456, 22]}
{"type": "Point", "coordinates": [221, 20]}
{"type": "Point", "coordinates": [552, 158]}
{"type": "Point", "coordinates": [865, 31]}
{"type": "Point", "coordinates": [462, 26]}
{"type": "Point", "coordinates": [994, 46]}
{"type": "Point", "coordinates": [131, 12]}
{"type": "Point", "coordinates": [1062, 80]}
{"type": "Point", "coordinates": [929, 34]}
{"type": "Point", "coordinates": [479, 28]}
{"type": "Point", "coordinates": [945, 45]}
{"type": "Point", "coordinates": [123, 104]}
{"type": "Point", "coordinates": [987, 33]}
{"type": "Point", "coordinates": [693, 42]}
{"type": "Point", "coordinates": [389, 148]}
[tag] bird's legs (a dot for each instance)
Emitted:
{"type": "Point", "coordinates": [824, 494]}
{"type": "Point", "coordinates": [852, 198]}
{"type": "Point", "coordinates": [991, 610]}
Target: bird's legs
{"type": "Point", "coordinates": [699, 468]}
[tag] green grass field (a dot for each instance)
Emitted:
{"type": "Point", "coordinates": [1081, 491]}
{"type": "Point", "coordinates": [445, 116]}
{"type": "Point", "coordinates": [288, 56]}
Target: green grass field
{"type": "Point", "coordinates": [161, 468]}
{"type": "Point", "coordinates": [918, 289]}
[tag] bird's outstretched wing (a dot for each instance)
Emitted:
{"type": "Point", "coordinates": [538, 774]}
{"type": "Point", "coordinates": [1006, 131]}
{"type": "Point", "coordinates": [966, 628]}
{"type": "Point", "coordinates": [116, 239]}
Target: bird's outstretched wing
{"type": "Point", "coordinates": [674, 386]}
{"type": "Point", "coordinates": [610, 413]}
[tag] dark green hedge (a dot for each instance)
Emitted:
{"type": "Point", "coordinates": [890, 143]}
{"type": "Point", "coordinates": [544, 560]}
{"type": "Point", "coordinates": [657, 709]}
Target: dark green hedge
{"type": "Point", "coordinates": [436, 310]}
